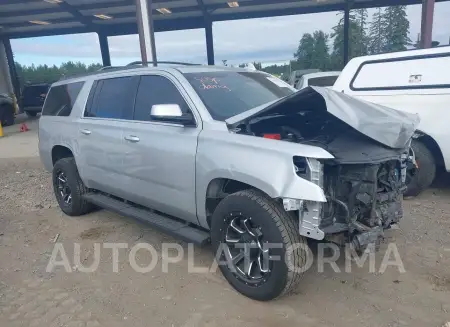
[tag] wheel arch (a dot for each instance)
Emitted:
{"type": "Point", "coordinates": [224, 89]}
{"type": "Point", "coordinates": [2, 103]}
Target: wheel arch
{"type": "Point", "coordinates": [431, 145]}
{"type": "Point", "coordinates": [219, 188]}
{"type": "Point", "coordinates": [60, 152]}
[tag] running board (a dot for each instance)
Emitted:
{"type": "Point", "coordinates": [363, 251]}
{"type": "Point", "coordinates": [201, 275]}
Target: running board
{"type": "Point", "coordinates": [165, 224]}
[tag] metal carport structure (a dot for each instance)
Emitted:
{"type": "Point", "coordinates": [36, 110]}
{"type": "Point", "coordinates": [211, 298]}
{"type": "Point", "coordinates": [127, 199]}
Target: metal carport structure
{"type": "Point", "coordinates": [34, 18]}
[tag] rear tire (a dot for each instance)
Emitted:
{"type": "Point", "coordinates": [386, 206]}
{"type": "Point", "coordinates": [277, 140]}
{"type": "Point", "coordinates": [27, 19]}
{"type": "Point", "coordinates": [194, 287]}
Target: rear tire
{"type": "Point", "coordinates": [422, 177]}
{"type": "Point", "coordinates": [274, 225]}
{"type": "Point", "coordinates": [31, 113]}
{"type": "Point", "coordinates": [70, 193]}
{"type": "Point", "coordinates": [7, 115]}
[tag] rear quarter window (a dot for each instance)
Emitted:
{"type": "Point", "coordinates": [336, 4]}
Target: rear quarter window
{"type": "Point", "coordinates": [61, 98]}
{"type": "Point", "coordinates": [112, 98]}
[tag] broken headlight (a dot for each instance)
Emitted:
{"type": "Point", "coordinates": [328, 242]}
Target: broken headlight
{"type": "Point", "coordinates": [309, 169]}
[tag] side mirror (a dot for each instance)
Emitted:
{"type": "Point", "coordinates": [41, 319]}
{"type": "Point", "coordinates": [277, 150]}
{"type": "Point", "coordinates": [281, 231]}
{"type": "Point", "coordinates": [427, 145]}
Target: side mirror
{"type": "Point", "coordinates": [171, 113]}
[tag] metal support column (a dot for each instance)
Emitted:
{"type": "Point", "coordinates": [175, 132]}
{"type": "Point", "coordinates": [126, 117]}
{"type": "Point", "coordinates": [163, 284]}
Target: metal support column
{"type": "Point", "coordinates": [146, 31]}
{"type": "Point", "coordinates": [12, 68]}
{"type": "Point", "coordinates": [104, 48]}
{"type": "Point", "coordinates": [209, 41]}
{"type": "Point", "coordinates": [346, 33]}
{"type": "Point", "coordinates": [427, 23]}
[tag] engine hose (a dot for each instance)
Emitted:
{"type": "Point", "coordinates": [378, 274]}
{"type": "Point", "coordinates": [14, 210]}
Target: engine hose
{"type": "Point", "coordinates": [344, 206]}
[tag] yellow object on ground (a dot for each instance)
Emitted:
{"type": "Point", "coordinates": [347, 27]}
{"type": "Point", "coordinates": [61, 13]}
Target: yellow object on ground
{"type": "Point", "coordinates": [1, 129]}
{"type": "Point", "coordinates": [15, 104]}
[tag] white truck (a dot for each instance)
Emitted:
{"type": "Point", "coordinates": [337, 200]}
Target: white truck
{"type": "Point", "coordinates": [416, 81]}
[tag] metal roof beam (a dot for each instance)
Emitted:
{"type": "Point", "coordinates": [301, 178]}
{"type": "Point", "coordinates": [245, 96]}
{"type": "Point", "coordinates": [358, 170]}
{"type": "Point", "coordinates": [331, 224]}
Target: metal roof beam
{"type": "Point", "coordinates": [75, 13]}
{"type": "Point", "coordinates": [202, 6]}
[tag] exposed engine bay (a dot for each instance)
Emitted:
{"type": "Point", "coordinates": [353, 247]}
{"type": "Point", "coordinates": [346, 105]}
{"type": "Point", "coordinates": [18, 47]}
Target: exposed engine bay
{"type": "Point", "coordinates": [365, 182]}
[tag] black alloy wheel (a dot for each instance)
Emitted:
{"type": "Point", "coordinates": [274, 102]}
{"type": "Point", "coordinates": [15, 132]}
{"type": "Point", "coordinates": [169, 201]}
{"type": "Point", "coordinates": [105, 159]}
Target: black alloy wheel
{"type": "Point", "coordinates": [64, 191]}
{"type": "Point", "coordinates": [257, 245]}
{"type": "Point", "coordinates": [245, 246]}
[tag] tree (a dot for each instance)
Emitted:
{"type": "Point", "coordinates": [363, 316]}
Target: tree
{"type": "Point", "coordinates": [276, 69]}
{"type": "Point", "coordinates": [321, 56]}
{"type": "Point", "coordinates": [49, 74]}
{"type": "Point", "coordinates": [312, 52]}
{"type": "Point", "coordinates": [396, 24]}
{"type": "Point", "coordinates": [377, 33]}
{"type": "Point", "coordinates": [305, 51]}
{"type": "Point", "coordinates": [357, 38]}
{"type": "Point", "coordinates": [361, 47]}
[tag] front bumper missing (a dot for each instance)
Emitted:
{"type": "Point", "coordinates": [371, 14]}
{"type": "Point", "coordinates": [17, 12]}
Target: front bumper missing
{"type": "Point", "coordinates": [309, 217]}
{"type": "Point", "coordinates": [309, 220]}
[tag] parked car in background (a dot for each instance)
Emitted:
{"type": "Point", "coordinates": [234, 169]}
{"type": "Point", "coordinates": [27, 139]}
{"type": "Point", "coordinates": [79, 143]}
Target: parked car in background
{"type": "Point", "coordinates": [415, 81]}
{"type": "Point", "coordinates": [33, 97]}
{"type": "Point", "coordinates": [231, 156]}
{"type": "Point", "coordinates": [324, 79]}
{"type": "Point", "coordinates": [297, 75]}
{"type": "Point", "coordinates": [7, 110]}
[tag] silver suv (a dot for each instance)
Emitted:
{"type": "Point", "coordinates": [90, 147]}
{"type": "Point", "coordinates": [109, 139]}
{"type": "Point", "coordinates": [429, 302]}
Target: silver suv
{"type": "Point", "coordinates": [228, 156]}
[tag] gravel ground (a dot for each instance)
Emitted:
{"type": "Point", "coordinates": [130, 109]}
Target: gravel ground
{"type": "Point", "coordinates": [30, 296]}
{"type": "Point", "coordinates": [24, 186]}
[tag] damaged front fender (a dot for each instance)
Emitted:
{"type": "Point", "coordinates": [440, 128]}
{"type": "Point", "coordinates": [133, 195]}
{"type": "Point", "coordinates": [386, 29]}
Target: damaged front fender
{"type": "Point", "coordinates": [261, 163]}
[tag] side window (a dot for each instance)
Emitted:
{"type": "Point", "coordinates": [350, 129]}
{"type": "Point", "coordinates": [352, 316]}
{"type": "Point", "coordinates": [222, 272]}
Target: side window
{"type": "Point", "coordinates": [61, 99]}
{"type": "Point", "coordinates": [112, 98]}
{"type": "Point", "coordinates": [156, 90]}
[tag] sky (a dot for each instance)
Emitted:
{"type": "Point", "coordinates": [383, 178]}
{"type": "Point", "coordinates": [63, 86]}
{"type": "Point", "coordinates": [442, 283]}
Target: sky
{"type": "Point", "coordinates": [266, 40]}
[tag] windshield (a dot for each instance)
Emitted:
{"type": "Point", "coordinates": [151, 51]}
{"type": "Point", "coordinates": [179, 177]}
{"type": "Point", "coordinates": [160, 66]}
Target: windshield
{"type": "Point", "coordinates": [226, 94]}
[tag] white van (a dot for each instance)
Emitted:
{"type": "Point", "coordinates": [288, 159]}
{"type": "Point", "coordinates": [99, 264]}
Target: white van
{"type": "Point", "coordinates": [416, 81]}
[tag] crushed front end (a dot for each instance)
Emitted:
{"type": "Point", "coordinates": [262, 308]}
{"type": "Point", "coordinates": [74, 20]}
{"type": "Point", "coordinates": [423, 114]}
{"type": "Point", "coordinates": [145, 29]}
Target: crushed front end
{"type": "Point", "coordinates": [364, 183]}
{"type": "Point", "coordinates": [362, 200]}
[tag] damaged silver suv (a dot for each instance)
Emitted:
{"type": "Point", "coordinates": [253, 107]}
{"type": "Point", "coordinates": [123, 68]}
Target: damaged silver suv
{"type": "Point", "coordinates": [227, 156]}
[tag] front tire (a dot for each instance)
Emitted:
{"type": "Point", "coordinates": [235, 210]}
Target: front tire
{"type": "Point", "coordinates": [419, 179]}
{"type": "Point", "coordinates": [252, 220]}
{"type": "Point", "coordinates": [69, 188]}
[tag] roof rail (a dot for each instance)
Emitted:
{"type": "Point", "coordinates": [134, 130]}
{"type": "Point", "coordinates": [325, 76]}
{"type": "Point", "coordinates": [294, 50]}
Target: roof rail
{"type": "Point", "coordinates": [108, 68]}
{"type": "Point", "coordinates": [135, 63]}
{"type": "Point", "coordinates": [131, 65]}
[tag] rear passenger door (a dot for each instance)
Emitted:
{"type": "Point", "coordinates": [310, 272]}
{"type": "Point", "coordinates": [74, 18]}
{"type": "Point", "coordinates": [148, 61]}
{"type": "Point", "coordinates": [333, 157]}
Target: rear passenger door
{"type": "Point", "coordinates": [109, 106]}
{"type": "Point", "coordinates": [159, 163]}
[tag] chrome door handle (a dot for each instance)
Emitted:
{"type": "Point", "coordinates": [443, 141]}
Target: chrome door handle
{"type": "Point", "coordinates": [132, 138]}
{"type": "Point", "coordinates": [86, 132]}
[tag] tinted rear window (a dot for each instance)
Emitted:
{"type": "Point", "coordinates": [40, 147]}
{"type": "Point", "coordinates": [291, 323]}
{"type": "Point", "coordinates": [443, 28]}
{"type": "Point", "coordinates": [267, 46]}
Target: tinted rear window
{"type": "Point", "coordinates": [322, 81]}
{"type": "Point", "coordinates": [113, 98]}
{"type": "Point", "coordinates": [226, 94]}
{"type": "Point", "coordinates": [61, 98]}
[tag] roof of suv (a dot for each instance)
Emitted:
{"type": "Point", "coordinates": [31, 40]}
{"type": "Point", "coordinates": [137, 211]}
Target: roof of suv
{"type": "Point", "coordinates": [182, 68]}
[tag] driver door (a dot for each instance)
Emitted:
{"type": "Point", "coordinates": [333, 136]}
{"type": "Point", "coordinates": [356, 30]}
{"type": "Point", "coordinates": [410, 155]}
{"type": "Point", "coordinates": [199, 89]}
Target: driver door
{"type": "Point", "coordinates": [159, 161]}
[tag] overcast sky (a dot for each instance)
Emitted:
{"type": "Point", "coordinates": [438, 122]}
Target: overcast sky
{"type": "Point", "coordinates": [267, 40]}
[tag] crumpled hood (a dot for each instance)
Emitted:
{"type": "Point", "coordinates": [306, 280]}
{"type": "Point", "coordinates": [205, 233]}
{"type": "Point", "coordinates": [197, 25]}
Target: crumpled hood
{"type": "Point", "coordinates": [388, 126]}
